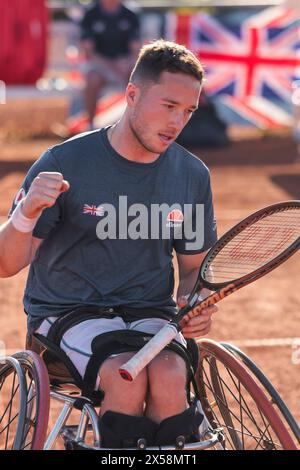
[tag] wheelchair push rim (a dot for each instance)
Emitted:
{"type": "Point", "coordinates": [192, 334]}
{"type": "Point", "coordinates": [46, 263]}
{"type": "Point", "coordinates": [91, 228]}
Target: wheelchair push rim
{"type": "Point", "coordinates": [269, 389]}
{"type": "Point", "coordinates": [232, 400]}
{"type": "Point", "coordinates": [25, 398]}
{"type": "Point", "coordinates": [13, 392]}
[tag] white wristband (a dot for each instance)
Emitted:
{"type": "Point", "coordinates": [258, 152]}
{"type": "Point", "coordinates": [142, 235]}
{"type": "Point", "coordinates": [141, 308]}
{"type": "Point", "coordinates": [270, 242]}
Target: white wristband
{"type": "Point", "coordinates": [20, 222]}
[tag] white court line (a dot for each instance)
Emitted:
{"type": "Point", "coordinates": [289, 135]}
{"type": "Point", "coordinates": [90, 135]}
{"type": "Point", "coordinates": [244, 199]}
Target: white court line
{"type": "Point", "coordinates": [243, 343]}
{"type": "Point", "coordinates": [266, 342]}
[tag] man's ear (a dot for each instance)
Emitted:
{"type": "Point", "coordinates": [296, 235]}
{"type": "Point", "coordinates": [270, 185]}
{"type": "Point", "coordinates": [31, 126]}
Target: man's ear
{"type": "Point", "coordinates": [132, 94]}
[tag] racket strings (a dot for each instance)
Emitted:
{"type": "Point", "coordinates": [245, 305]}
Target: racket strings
{"type": "Point", "coordinates": [254, 246]}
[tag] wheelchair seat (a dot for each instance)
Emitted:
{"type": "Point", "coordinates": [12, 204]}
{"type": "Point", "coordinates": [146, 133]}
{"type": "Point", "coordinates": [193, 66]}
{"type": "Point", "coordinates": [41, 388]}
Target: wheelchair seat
{"type": "Point", "coordinates": [64, 376]}
{"type": "Point", "coordinates": [62, 371]}
{"type": "Point", "coordinates": [59, 372]}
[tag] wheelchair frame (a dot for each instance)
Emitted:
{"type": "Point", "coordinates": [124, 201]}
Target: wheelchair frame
{"type": "Point", "coordinates": [225, 431]}
{"type": "Point", "coordinates": [74, 436]}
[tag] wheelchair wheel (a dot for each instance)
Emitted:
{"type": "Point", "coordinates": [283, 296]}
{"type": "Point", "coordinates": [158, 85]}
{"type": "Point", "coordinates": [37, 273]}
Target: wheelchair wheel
{"type": "Point", "coordinates": [24, 402]}
{"type": "Point", "coordinates": [233, 401]}
{"type": "Point", "coordinates": [268, 388]}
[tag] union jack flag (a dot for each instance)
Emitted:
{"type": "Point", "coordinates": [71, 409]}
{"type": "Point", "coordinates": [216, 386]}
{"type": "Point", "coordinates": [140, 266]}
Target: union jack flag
{"type": "Point", "coordinates": [250, 66]}
{"type": "Point", "coordinates": [93, 210]}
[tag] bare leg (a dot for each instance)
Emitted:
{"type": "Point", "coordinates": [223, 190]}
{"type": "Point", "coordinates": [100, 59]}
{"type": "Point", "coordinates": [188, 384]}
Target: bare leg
{"type": "Point", "coordinates": [121, 396]}
{"type": "Point", "coordinates": [167, 381]}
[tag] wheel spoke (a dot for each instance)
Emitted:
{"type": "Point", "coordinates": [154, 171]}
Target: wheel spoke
{"type": "Point", "coordinates": [10, 401]}
{"type": "Point", "coordinates": [233, 400]}
{"type": "Point", "coordinates": [24, 418]}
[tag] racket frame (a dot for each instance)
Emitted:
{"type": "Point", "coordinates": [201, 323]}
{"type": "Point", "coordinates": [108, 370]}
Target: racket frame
{"type": "Point", "coordinates": [230, 234]}
{"type": "Point", "coordinates": [223, 289]}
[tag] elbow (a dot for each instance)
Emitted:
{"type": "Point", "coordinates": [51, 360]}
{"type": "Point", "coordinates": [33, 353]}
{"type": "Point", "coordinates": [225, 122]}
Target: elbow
{"type": "Point", "coordinates": [4, 272]}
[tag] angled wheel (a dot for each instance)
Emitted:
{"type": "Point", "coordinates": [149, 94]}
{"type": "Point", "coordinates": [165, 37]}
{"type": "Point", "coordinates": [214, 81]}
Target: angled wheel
{"type": "Point", "coordinates": [13, 397]}
{"type": "Point", "coordinates": [24, 401]}
{"type": "Point", "coordinates": [268, 388]}
{"type": "Point", "coordinates": [232, 400]}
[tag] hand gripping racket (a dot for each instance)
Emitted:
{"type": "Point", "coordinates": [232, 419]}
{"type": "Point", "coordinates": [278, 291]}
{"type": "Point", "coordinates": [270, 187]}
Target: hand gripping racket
{"type": "Point", "coordinates": [248, 251]}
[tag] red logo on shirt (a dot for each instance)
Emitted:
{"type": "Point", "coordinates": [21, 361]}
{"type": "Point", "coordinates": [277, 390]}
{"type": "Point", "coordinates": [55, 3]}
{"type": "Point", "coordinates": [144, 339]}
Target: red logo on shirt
{"type": "Point", "coordinates": [175, 216]}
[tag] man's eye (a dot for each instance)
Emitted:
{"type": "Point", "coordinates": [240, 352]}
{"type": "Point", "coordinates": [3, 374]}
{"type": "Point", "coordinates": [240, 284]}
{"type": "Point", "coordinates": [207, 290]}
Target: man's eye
{"type": "Point", "coordinates": [169, 106]}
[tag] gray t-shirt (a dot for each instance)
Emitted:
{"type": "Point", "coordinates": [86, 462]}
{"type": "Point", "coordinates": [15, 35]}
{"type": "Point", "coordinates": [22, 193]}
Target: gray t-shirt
{"type": "Point", "coordinates": [76, 266]}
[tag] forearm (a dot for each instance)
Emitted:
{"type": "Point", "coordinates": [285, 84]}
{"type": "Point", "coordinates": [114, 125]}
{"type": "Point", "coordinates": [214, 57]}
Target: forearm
{"type": "Point", "coordinates": [187, 282]}
{"type": "Point", "coordinates": [188, 266]}
{"type": "Point", "coordinates": [15, 249]}
{"type": "Point", "coordinates": [17, 243]}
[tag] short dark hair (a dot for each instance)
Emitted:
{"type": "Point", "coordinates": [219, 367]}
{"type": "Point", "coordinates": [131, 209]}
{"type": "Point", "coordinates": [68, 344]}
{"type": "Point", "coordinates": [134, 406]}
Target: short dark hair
{"type": "Point", "coordinates": [165, 56]}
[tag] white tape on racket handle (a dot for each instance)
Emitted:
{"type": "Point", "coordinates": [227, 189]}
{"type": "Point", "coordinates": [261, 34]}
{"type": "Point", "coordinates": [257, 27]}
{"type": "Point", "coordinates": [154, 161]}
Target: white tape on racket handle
{"type": "Point", "coordinates": [141, 359]}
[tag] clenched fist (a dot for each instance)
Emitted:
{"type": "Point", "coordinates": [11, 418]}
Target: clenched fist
{"type": "Point", "coordinates": [43, 193]}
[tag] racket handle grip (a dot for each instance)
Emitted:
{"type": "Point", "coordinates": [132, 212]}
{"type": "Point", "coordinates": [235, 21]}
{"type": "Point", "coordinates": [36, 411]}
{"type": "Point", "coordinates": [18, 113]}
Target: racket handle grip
{"type": "Point", "coordinates": [141, 359]}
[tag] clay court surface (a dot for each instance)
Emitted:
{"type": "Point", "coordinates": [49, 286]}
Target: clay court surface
{"type": "Point", "coordinates": [246, 175]}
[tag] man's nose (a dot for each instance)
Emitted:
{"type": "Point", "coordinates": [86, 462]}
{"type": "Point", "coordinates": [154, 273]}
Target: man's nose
{"type": "Point", "coordinates": [177, 121]}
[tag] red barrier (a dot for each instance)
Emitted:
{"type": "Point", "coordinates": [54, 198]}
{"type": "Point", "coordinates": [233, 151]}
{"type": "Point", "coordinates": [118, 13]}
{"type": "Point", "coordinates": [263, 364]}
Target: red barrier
{"type": "Point", "coordinates": [23, 40]}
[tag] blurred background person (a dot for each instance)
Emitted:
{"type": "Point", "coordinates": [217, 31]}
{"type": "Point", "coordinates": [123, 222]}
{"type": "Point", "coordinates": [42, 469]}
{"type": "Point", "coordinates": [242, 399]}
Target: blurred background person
{"type": "Point", "coordinates": [110, 39]}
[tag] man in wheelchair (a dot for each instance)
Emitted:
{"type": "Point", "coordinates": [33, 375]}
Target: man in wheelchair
{"type": "Point", "coordinates": [101, 275]}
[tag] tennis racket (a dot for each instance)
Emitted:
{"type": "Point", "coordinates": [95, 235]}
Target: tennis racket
{"type": "Point", "coordinates": [248, 251]}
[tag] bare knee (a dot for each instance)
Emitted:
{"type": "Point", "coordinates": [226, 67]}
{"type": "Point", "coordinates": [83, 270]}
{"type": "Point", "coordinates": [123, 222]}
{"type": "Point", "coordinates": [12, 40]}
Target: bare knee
{"type": "Point", "coordinates": [110, 377]}
{"type": "Point", "coordinates": [122, 396]}
{"type": "Point", "coordinates": [167, 375]}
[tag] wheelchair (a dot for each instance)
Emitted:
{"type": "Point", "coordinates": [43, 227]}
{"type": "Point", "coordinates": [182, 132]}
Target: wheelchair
{"type": "Point", "coordinates": [242, 410]}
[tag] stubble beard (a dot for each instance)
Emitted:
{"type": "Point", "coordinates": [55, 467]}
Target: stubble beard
{"type": "Point", "coordinates": [137, 132]}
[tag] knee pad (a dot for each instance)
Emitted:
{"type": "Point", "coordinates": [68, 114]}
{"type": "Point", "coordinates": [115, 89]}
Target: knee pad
{"type": "Point", "coordinates": [184, 424]}
{"type": "Point", "coordinates": [119, 430]}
